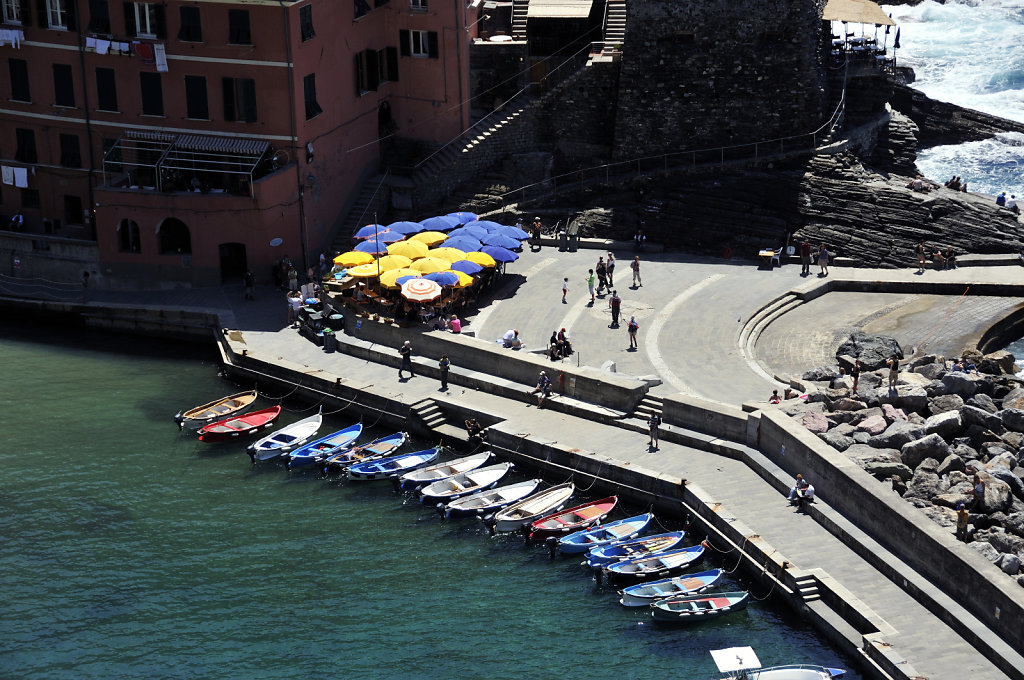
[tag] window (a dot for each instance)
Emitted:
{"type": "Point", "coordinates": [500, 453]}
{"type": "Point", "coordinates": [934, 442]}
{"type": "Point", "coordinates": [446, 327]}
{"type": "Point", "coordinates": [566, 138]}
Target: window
{"type": "Point", "coordinates": [128, 237]}
{"type": "Point", "coordinates": [106, 89]}
{"type": "Point", "coordinates": [196, 104]}
{"type": "Point", "coordinates": [361, 8]}
{"type": "Point", "coordinates": [26, 139]}
{"type": "Point", "coordinates": [309, 91]}
{"type": "Point", "coordinates": [174, 237]}
{"type": "Point", "coordinates": [152, 94]}
{"type": "Point", "coordinates": [19, 80]}
{"type": "Point", "coordinates": [387, 60]}
{"type": "Point", "coordinates": [418, 5]}
{"type": "Point", "coordinates": [13, 12]}
{"type": "Point", "coordinates": [30, 198]}
{"type": "Point", "coordinates": [63, 86]}
{"type": "Point", "coordinates": [238, 27]}
{"type": "Point", "coordinates": [145, 20]}
{"type": "Point", "coordinates": [306, 22]}
{"type": "Point", "coordinates": [70, 154]}
{"type": "Point", "coordinates": [367, 71]}
{"type": "Point", "coordinates": [99, 17]}
{"type": "Point", "coordinates": [191, 29]}
{"type": "Point", "coordinates": [419, 44]}
{"type": "Point", "coordinates": [240, 100]}
{"type": "Point", "coordinates": [73, 210]}
{"type": "Point", "coordinates": [60, 14]}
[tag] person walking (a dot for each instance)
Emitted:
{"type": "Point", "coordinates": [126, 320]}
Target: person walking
{"type": "Point", "coordinates": [615, 302]}
{"type": "Point", "coordinates": [611, 270]}
{"type": "Point", "coordinates": [653, 423]}
{"type": "Point", "coordinates": [444, 364]}
{"type": "Point", "coordinates": [635, 266]}
{"type": "Point", "coordinates": [536, 230]}
{"type": "Point", "coordinates": [406, 352]}
{"type": "Point", "coordinates": [590, 284]}
{"type": "Point", "coordinates": [632, 328]}
{"type": "Point", "coordinates": [250, 285]}
{"type": "Point", "coordinates": [805, 258]}
{"type": "Point", "coordinates": [920, 257]}
{"type": "Point", "coordinates": [602, 275]}
{"type": "Point", "coordinates": [823, 259]}
{"type": "Point", "coordinates": [565, 289]}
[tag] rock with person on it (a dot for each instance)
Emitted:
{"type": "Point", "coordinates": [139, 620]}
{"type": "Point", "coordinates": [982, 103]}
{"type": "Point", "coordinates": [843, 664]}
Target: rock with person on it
{"type": "Point", "coordinates": [872, 350]}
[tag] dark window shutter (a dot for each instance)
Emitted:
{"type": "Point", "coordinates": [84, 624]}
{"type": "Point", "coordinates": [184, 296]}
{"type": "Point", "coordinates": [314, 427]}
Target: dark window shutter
{"type": "Point", "coordinates": [63, 85]}
{"type": "Point", "coordinates": [152, 94]}
{"type": "Point", "coordinates": [99, 16]}
{"type": "Point", "coordinates": [247, 95]}
{"type": "Point", "coordinates": [161, 22]}
{"type": "Point", "coordinates": [372, 70]}
{"type": "Point", "coordinates": [129, 20]}
{"type": "Point", "coordinates": [391, 58]}
{"type": "Point", "coordinates": [106, 89]}
{"type": "Point", "coordinates": [26, 13]}
{"type": "Point", "coordinates": [229, 98]}
{"type": "Point", "coordinates": [360, 74]}
{"type": "Point", "coordinates": [403, 42]}
{"type": "Point", "coordinates": [20, 88]}
{"type": "Point", "coordinates": [432, 44]}
{"type": "Point", "coordinates": [196, 104]}
{"type": "Point", "coordinates": [71, 18]}
{"type": "Point", "coordinates": [44, 20]}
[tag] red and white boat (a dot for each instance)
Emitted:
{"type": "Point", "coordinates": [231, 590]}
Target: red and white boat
{"type": "Point", "coordinates": [573, 519]}
{"type": "Point", "coordinates": [239, 426]}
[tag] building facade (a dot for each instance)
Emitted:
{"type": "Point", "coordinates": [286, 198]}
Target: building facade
{"type": "Point", "coordinates": [192, 140]}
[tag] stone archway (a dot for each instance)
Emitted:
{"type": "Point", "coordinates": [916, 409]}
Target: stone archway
{"type": "Point", "coordinates": [174, 237]}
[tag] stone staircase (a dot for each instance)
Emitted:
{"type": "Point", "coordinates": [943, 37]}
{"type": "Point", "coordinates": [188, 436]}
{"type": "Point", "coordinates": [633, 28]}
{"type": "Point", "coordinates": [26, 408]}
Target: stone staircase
{"type": "Point", "coordinates": [807, 587]}
{"type": "Point", "coordinates": [519, 11]}
{"type": "Point", "coordinates": [614, 28]}
{"type": "Point", "coordinates": [372, 198]}
{"type": "Point", "coordinates": [648, 406]}
{"type": "Point", "coordinates": [763, 317]}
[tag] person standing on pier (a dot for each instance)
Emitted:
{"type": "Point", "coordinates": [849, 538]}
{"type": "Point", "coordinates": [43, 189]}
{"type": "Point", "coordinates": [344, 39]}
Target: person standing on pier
{"type": "Point", "coordinates": [635, 266]}
{"type": "Point", "coordinates": [615, 302]}
{"type": "Point", "coordinates": [536, 229]}
{"type": "Point", "coordinates": [611, 270]}
{"type": "Point", "coordinates": [823, 260]}
{"type": "Point", "coordinates": [632, 328]}
{"type": "Point", "coordinates": [894, 370]}
{"type": "Point", "coordinates": [602, 275]}
{"type": "Point", "coordinates": [444, 364]}
{"type": "Point", "coordinates": [406, 352]}
{"type": "Point", "coordinates": [805, 258]}
{"type": "Point", "coordinates": [653, 423]}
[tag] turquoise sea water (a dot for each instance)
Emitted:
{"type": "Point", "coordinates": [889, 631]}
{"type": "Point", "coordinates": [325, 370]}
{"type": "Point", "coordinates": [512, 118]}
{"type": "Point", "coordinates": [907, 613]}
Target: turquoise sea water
{"type": "Point", "coordinates": [129, 550]}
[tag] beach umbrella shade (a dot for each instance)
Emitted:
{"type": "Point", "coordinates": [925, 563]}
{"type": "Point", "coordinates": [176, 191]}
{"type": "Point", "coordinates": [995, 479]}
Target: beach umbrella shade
{"type": "Point", "coordinates": [462, 217]}
{"type": "Point", "coordinates": [465, 280]}
{"type": "Point", "coordinates": [364, 271]}
{"type": "Point", "coordinates": [390, 278]}
{"type": "Point", "coordinates": [449, 254]}
{"type": "Point", "coordinates": [466, 267]}
{"type": "Point", "coordinates": [389, 262]}
{"type": "Point", "coordinates": [500, 254]}
{"type": "Point", "coordinates": [353, 258]}
{"type": "Point", "coordinates": [431, 238]}
{"type": "Point", "coordinates": [481, 258]}
{"type": "Point", "coordinates": [448, 278]}
{"type": "Point", "coordinates": [485, 224]}
{"type": "Point", "coordinates": [440, 223]}
{"type": "Point", "coordinates": [421, 290]}
{"type": "Point", "coordinates": [369, 231]}
{"type": "Point", "coordinates": [426, 265]}
{"type": "Point", "coordinates": [406, 227]}
{"type": "Point", "coordinates": [472, 232]}
{"type": "Point", "coordinates": [388, 236]}
{"type": "Point", "coordinates": [497, 239]}
{"type": "Point", "coordinates": [410, 249]}
{"type": "Point", "coordinates": [513, 232]}
{"type": "Point", "coordinates": [464, 243]}
{"type": "Point", "coordinates": [372, 246]}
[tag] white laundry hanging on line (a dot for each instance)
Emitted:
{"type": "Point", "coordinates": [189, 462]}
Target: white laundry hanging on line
{"type": "Point", "coordinates": [161, 57]}
{"type": "Point", "coordinates": [102, 46]}
{"type": "Point", "coordinates": [8, 174]}
{"type": "Point", "coordinates": [21, 178]}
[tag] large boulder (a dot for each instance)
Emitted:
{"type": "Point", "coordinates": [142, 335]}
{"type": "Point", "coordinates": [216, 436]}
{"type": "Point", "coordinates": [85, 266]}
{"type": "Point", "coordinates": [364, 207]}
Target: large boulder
{"type": "Point", "coordinates": [944, 402]}
{"type": "Point", "coordinates": [848, 404]}
{"type": "Point", "coordinates": [862, 454]}
{"type": "Point", "coordinates": [1012, 419]}
{"type": "Point", "coordinates": [896, 435]}
{"type": "Point", "coordinates": [821, 373]}
{"type": "Point", "coordinates": [1014, 398]}
{"type": "Point", "coordinates": [986, 550]}
{"type": "Point", "coordinates": [984, 402]}
{"type": "Point", "coordinates": [930, 446]}
{"type": "Point", "coordinates": [962, 384]}
{"type": "Point", "coordinates": [1015, 524]}
{"type": "Point", "coordinates": [1015, 484]}
{"type": "Point", "coordinates": [839, 442]}
{"type": "Point", "coordinates": [883, 470]}
{"type": "Point", "coordinates": [998, 496]}
{"type": "Point", "coordinates": [951, 463]}
{"type": "Point", "coordinates": [892, 414]}
{"type": "Point", "coordinates": [972, 415]}
{"type": "Point", "coordinates": [925, 485]}
{"type": "Point", "coordinates": [931, 371]}
{"type": "Point", "coordinates": [815, 422]}
{"type": "Point", "coordinates": [872, 350]}
{"type": "Point", "coordinates": [874, 425]}
{"type": "Point", "coordinates": [948, 424]}
{"type": "Point", "coordinates": [911, 397]}
{"type": "Point", "coordinates": [1003, 359]}
{"type": "Point", "coordinates": [1009, 563]}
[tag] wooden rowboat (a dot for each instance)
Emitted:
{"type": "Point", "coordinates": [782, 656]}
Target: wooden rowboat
{"type": "Point", "coordinates": [432, 473]}
{"type": "Point", "coordinates": [285, 439]}
{"type": "Point", "coordinates": [695, 608]}
{"type": "Point", "coordinates": [194, 418]}
{"type": "Point", "coordinates": [643, 594]}
{"type": "Point", "coordinates": [485, 502]}
{"type": "Point", "coordinates": [573, 519]}
{"type": "Point", "coordinates": [518, 515]}
{"type": "Point", "coordinates": [344, 456]}
{"type": "Point", "coordinates": [638, 547]}
{"type": "Point", "coordinates": [446, 490]}
{"type": "Point", "coordinates": [240, 425]}
{"type": "Point", "coordinates": [383, 468]}
{"type": "Point", "coordinates": [314, 451]}
{"type": "Point", "coordinates": [658, 565]}
{"type": "Point", "coordinates": [595, 537]}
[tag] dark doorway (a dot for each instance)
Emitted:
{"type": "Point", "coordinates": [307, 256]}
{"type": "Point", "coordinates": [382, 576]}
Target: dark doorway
{"type": "Point", "coordinates": [232, 262]}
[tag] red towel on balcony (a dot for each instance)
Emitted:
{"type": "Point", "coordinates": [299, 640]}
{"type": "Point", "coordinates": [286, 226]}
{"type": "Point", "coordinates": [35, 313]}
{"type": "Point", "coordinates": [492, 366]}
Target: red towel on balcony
{"type": "Point", "coordinates": [144, 51]}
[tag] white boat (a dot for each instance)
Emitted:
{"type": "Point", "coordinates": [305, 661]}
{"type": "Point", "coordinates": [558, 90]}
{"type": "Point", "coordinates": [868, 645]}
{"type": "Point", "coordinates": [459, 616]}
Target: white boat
{"type": "Point", "coordinates": [740, 663]}
{"type": "Point", "coordinates": [285, 439]}
{"type": "Point", "coordinates": [483, 502]}
{"type": "Point", "coordinates": [463, 484]}
{"type": "Point", "coordinates": [432, 473]}
{"type": "Point", "coordinates": [531, 508]}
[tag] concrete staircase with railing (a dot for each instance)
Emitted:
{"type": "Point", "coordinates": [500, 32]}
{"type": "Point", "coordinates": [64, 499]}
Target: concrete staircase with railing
{"type": "Point", "coordinates": [372, 199]}
{"type": "Point", "coordinates": [614, 29]}
{"type": "Point", "coordinates": [519, 10]}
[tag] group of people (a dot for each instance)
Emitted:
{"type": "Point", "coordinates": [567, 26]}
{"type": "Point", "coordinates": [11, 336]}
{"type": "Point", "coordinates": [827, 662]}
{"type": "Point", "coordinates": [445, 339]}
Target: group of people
{"type": "Point", "coordinates": [559, 346]}
{"type": "Point", "coordinates": [1009, 203]}
{"type": "Point", "coordinates": [942, 259]}
{"type": "Point", "coordinates": [956, 184]}
{"type": "Point", "coordinates": [821, 257]}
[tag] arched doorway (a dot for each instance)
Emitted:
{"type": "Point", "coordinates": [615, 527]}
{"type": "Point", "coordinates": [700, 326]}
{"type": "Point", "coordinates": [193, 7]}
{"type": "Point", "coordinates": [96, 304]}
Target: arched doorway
{"type": "Point", "coordinates": [128, 239]}
{"type": "Point", "coordinates": [174, 237]}
{"type": "Point", "coordinates": [233, 264]}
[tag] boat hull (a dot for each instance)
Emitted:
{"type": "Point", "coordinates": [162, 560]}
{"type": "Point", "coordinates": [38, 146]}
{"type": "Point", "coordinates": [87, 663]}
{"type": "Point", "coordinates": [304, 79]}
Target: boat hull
{"type": "Point", "coordinates": [572, 520]}
{"type": "Point", "coordinates": [309, 454]}
{"type": "Point", "coordinates": [493, 500]}
{"type": "Point", "coordinates": [239, 426]}
{"type": "Point", "coordinates": [386, 468]}
{"type": "Point", "coordinates": [697, 608]}
{"type": "Point", "coordinates": [518, 515]}
{"type": "Point", "coordinates": [453, 488]}
{"type": "Point", "coordinates": [595, 537]}
{"type": "Point", "coordinates": [644, 594]}
{"type": "Point", "coordinates": [417, 479]}
{"type": "Point", "coordinates": [659, 565]}
{"type": "Point", "coordinates": [225, 407]}
{"type": "Point", "coordinates": [649, 545]}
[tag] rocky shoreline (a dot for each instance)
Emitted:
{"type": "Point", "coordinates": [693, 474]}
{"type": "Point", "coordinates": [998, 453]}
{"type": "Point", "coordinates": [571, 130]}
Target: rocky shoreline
{"type": "Point", "coordinates": [927, 437]}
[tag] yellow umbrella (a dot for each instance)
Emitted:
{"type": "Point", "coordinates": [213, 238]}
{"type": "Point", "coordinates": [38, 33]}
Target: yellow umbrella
{"type": "Point", "coordinates": [429, 237]}
{"type": "Point", "coordinates": [409, 249]}
{"type": "Point", "coordinates": [364, 270]}
{"type": "Point", "coordinates": [389, 279]}
{"type": "Point", "coordinates": [465, 280]}
{"type": "Point", "coordinates": [450, 254]}
{"type": "Point", "coordinates": [482, 259]}
{"type": "Point", "coordinates": [426, 265]}
{"type": "Point", "coordinates": [392, 262]}
{"type": "Point", "coordinates": [353, 258]}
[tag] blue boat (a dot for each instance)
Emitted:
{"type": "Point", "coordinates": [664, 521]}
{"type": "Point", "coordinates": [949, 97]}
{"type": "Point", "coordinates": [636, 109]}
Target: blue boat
{"type": "Point", "coordinates": [638, 547]}
{"type": "Point", "coordinates": [658, 565]}
{"type": "Point", "coordinates": [595, 537]}
{"type": "Point", "coordinates": [343, 457]}
{"type": "Point", "coordinates": [644, 594]}
{"type": "Point", "coordinates": [383, 468]}
{"type": "Point", "coordinates": [317, 450]}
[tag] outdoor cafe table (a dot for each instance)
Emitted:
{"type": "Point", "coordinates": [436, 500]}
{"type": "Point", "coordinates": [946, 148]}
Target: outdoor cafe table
{"type": "Point", "coordinates": [766, 255]}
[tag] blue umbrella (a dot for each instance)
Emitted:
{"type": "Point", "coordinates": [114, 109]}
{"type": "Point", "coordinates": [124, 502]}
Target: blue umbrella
{"type": "Point", "coordinates": [440, 223]}
{"type": "Point", "coordinates": [369, 231]}
{"type": "Point", "coordinates": [501, 241]}
{"type": "Point", "coordinates": [513, 232]}
{"type": "Point", "coordinates": [408, 277]}
{"type": "Point", "coordinates": [486, 224]}
{"type": "Point", "coordinates": [466, 244]}
{"type": "Point", "coordinates": [466, 267]}
{"type": "Point", "coordinates": [406, 227]}
{"type": "Point", "coordinates": [462, 217]}
{"type": "Point", "coordinates": [372, 246]}
{"type": "Point", "coordinates": [500, 254]}
{"type": "Point", "coordinates": [388, 236]}
{"type": "Point", "coordinates": [443, 278]}
{"type": "Point", "coordinates": [475, 232]}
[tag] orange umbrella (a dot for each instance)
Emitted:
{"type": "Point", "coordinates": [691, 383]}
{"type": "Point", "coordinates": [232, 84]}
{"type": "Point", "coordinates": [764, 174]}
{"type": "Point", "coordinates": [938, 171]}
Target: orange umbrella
{"type": "Point", "coordinates": [482, 259]}
{"type": "Point", "coordinates": [429, 237]}
{"type": "Point", "coordinates": [426, 265]}
{"type": "Point", "coordinates": [409, 249]}
{"type": "Point", "coordinates": [450, 254]}
{"type": "Point", "coordinates": [421, 290]}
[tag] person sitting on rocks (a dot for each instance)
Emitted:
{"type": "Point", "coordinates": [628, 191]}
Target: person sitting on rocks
{"type": "Point", "coordinates": [564, 346]}
{"type": "Point", "coordinates": [977, 493]}
{"type": "Point", "coordinates": [1001, 199]}
{"type": "Point", "coordinates": [939, 259]}
{"type": "Point", "coordinates": [950, 256]}
{"type": "Point", "coordinates": [1011, 204]}
{"type": "Point", "coordinates": [775, 398]}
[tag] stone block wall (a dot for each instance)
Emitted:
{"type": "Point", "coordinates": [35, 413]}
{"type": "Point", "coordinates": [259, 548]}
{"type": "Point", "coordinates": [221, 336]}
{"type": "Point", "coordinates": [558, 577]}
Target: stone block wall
{"type": "Point", "coordinates": [718, 72]}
